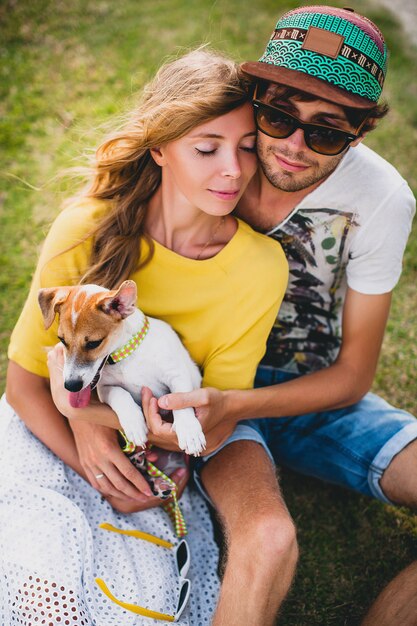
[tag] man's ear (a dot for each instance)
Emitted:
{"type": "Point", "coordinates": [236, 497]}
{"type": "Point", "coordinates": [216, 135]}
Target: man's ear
{"type": "Point", "coordinates": [158, 156]}
{"type": "Point", "coordinates": [358, 140]}
{"type": "Point", "coordinates": [50, 300]}
{"type": "Point", "coordinates": [368, 121]}
{"type": "Point", "coordinates": [121, 302]}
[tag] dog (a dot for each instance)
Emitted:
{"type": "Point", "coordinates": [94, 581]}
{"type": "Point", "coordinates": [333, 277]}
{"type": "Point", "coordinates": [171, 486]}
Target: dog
{"type": "Point", "coordinates": [110, 344]}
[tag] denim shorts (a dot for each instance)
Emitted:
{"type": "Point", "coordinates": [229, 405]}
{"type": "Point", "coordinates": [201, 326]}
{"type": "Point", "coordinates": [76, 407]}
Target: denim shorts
{"type": "Point", "coordinates": [350, 447]}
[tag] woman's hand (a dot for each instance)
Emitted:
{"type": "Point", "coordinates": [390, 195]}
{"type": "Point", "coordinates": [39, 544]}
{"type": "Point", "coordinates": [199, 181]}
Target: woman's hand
{"type": "Point", "coordinates": [110, 471]}
{"type": "Point", "coordinates": [99, 451]}
{"type": "Point", "coordinates": [107, 468]}
{"type": "Point", "coordinates": [129, 505]}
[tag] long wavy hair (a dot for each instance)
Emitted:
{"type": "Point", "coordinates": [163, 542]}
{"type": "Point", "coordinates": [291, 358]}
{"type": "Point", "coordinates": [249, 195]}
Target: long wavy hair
{"type": "Point", "coordinates": [185, 93]}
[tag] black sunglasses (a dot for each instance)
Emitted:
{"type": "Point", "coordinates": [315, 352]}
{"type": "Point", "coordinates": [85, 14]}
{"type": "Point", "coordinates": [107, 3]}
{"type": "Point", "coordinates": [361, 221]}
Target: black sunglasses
{"type": "Point", "coordinates": [279, 124]}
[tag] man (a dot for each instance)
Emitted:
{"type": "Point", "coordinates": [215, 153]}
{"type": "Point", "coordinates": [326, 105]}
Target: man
{"type": "Point", "coordinates": [343, 216]}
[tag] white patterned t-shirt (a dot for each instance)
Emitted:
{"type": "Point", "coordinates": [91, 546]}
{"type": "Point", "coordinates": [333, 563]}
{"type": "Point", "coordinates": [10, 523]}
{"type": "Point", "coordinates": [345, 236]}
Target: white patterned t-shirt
{"type": "Point", "coordinates": [350, 231]}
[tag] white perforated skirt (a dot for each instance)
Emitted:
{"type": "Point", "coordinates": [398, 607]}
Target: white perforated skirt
{"type": "Point", "coordinates": [51, 547]}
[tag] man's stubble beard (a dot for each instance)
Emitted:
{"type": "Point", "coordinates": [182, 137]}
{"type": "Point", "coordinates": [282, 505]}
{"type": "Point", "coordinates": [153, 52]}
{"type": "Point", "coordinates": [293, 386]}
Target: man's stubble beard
{"type": "Point", "coordinates": [290, 181]}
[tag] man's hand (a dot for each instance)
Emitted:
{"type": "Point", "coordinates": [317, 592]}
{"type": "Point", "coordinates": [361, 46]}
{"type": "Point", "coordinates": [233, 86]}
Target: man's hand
{"type": "Point", "coordinates": [209, 404]}
{"type": "Point", "coordinates": [217, 436]}
{"type": "Point", "coordinates": [207, 401]}
{"type": "Point", "coordinates": [160, 432]}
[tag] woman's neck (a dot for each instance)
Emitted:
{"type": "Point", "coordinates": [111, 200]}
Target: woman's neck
{"type": "Point", "coordinates": [190, 232]}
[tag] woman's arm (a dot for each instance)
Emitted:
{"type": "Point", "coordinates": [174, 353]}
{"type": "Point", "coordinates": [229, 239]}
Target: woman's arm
{"type": "Point", "coordinates": [91, 450]}
{"type": "Point", "coordinates": [30, 397]}
{"type": "Point", "coordinates": [94, 429]}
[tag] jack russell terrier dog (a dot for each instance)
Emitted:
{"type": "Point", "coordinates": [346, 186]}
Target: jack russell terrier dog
{"type": "Point", "coordinates": [110, 343]}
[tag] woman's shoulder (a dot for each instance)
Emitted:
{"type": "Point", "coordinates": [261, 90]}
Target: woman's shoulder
{"type": "Point", "coordinates": [79, 215]}
{"type": "Point", "coordinates": [258, 265]}
{"type": "Point", "coordinates": [73, 224]}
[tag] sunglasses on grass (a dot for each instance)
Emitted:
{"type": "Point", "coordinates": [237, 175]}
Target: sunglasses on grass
{"type": "Point", "coordinates": [182, 561]}
{"type": "Point", "coordinates": [322, 139]}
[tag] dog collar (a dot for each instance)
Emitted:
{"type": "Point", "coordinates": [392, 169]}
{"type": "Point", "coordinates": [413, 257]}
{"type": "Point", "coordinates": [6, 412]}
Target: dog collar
{"type": "Point", "coordinates": [129, 347]}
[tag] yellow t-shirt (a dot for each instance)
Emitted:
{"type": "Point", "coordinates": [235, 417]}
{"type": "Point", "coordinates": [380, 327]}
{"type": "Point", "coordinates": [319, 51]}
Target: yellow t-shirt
{"type": "Point", "coordinates": [222, 308]}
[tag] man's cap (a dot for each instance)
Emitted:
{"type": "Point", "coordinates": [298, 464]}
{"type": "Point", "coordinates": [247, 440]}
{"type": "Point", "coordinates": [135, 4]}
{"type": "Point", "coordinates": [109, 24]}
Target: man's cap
{"type": "Point", "coordinates": [334, 54]}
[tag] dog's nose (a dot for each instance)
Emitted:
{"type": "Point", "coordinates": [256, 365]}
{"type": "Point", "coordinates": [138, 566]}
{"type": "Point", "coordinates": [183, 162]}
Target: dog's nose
{"type": "Point", "coordinates": [74, 384]}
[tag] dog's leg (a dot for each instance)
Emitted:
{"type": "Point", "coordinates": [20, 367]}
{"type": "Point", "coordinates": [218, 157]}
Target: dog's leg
{"type": "Point", "coordinates": [129, 413]}
{"type": "Point", "coordinates": [190, 435]}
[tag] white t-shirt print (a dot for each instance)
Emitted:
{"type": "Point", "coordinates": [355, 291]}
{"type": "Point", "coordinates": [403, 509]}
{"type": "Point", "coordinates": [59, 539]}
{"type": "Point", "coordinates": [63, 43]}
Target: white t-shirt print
{"type": "Point", "coordinates": [350, 231]}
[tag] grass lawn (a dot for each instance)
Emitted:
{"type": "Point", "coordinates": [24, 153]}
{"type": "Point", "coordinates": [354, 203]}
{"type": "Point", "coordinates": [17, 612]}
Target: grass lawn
{"type": "Point", "coordinates": [65, 67]}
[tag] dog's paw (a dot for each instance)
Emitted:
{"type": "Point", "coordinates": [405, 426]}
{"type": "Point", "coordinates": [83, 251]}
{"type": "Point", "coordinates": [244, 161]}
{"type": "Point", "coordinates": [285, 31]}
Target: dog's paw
{"type": "Point", "coordinates": [196, 445]}
{"type": "Point", "coordinates": [190, 435]}
{"type": "Point", "coordinates": [136, 432]}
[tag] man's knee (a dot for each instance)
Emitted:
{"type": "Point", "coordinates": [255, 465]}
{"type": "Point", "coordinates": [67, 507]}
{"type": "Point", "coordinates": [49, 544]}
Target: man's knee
{"type": "Point", "coordinates": [269, 537]}
{"type": "Point", "coordinates": [277, 536]}
{"type": "Point", "coordinates": [397, 482]}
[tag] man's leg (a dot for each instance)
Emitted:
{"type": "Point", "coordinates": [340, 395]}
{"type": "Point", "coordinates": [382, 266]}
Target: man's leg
{"type": "Point", "coordinates": [260, 536]}
{"type": "Point", "coordinates": [399, 482]}
{"type": "Point", "coordinates": [397, 604]}
{"type": "Point", "coordinates": [370, 447]}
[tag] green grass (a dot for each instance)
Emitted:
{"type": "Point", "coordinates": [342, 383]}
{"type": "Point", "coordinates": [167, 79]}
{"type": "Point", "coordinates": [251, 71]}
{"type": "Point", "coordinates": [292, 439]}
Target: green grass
{"type": "Point", "coordinates": [65, 67]}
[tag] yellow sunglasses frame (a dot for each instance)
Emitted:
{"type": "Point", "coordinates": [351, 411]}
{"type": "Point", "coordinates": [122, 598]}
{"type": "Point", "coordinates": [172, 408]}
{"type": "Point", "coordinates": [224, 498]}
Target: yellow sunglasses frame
{"type": "Point", "coordinates": [134, 608]}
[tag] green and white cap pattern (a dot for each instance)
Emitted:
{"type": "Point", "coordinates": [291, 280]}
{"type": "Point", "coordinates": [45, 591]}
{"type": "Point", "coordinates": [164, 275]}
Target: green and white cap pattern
{"type": "Point", "coordinates": [335, 51]}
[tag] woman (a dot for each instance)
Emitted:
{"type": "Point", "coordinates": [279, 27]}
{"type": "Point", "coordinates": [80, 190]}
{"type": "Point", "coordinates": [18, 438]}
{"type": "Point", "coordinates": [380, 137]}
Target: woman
{"type": "Point", "coordinates": [157, 211]}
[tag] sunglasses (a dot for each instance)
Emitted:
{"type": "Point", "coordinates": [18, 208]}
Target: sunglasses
{"type": "Point", "coordinates": [182, 561]}
{"type": "Point", "coordinates": [322, 139]}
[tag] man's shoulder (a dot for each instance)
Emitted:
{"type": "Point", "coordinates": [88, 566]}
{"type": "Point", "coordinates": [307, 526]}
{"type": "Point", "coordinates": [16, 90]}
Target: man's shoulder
{"type": "Point", "coordinates": [369, 170]}
{"type": "Point", "coordinates": [363, 177]}
{"type": "Point", "coordinates": [364, 159]}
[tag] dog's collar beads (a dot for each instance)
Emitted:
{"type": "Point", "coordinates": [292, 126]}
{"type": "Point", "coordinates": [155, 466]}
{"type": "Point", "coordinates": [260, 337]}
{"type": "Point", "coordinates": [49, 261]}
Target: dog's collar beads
{"type": "Point", "coordinates": [129, 347]}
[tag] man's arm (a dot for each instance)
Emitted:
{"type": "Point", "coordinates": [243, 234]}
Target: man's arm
{"type": "Point", "coordinates": [341, 384]}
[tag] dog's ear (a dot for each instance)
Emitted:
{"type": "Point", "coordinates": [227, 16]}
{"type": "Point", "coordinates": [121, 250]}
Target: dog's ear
{"type": "Point", "coordinates": [50, 300]}
{"type": "Point", "coordinates": [121, 302]}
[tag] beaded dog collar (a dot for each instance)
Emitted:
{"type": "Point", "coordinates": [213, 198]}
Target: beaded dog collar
{"type": "Point", "coordinates": [130, 346]}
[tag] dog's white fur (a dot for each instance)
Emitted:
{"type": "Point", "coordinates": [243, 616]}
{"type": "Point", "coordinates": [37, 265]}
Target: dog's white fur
{"type": "Point", "coordinates": [160, 362]}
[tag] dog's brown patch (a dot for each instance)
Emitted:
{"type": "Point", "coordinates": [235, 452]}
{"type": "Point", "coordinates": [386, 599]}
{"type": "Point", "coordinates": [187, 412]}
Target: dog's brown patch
{"type": "Point", "coordinates": [81, 321]}
{"type": "Point", "coordinates": [79, 299]}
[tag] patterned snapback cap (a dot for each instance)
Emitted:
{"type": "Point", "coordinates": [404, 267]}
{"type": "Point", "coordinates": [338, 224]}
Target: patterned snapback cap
{"type": "Point", "coordinates": [335, 54]}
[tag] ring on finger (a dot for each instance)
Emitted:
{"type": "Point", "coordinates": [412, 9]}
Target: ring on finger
{"type": "Point", "coordinates": [98, 476]}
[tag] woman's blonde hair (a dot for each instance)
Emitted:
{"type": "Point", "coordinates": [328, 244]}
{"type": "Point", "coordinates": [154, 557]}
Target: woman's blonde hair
{"type": "Point", "coordinates": [185, 93]}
